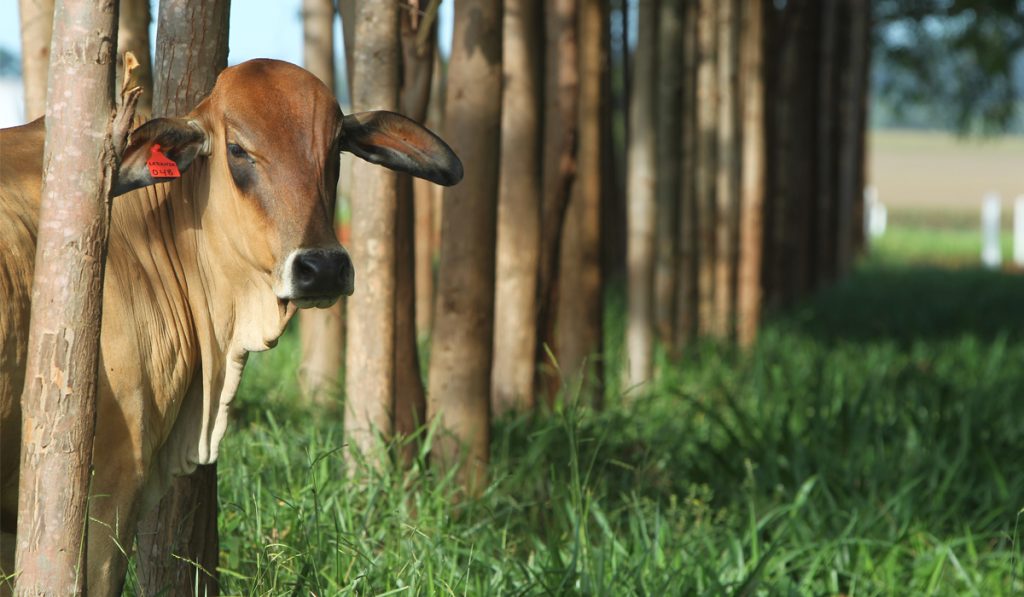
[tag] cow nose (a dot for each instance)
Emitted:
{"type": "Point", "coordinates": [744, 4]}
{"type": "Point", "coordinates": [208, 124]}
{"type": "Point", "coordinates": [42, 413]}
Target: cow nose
{"type": "Point", "coordinates": [322, 273]}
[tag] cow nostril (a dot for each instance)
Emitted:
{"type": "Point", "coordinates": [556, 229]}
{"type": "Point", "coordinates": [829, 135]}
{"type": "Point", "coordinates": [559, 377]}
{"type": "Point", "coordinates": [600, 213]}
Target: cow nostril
{"type": "Point", "coordinates": [306, 270]}
{"type": "Point", "coordinates": [320, 272]}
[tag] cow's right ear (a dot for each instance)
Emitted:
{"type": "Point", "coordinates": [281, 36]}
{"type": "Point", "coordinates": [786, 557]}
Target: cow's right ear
{"type": "Point", "coordinates": [179, 139]}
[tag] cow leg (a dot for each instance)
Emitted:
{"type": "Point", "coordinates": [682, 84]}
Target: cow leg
{"type": "Point", "coordinates": [113, 518]}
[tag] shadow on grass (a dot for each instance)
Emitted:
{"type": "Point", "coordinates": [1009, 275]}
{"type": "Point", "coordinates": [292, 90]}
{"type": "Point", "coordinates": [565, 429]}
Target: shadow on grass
{"type": "Point", "coordinates": [907, 303]}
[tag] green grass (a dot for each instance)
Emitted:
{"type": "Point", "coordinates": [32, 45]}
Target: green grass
{"type": "Point", "coordinates": [922, 241]}
{"type": "Point", "coordinates": [869, 445]}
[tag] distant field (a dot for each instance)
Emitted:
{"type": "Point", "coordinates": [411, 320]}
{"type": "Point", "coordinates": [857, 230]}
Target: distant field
{"type": "Point", "coordinates": [940, 178]}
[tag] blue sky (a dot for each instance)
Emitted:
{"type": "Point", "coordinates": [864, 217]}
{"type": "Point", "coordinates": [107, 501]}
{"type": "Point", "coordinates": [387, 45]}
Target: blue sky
{"type": "Point", "coordinates": [258, 29]}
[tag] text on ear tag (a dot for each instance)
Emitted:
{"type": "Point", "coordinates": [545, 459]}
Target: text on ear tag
{"type": "Point", "coordinates": [160, 166]}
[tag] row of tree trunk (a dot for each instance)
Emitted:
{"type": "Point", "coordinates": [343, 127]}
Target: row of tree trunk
{"type": "Point", "coordinates": [735, 183]}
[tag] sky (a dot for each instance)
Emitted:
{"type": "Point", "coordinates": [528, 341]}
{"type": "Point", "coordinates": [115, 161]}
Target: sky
{"type": "Point", "coordinates": [258, 29]}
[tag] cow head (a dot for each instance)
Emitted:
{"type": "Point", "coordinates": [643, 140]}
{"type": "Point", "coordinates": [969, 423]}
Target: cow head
{"type": "Point", "coordinates": [271, 133]}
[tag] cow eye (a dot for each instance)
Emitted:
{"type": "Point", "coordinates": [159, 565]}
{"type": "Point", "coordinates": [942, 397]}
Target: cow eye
{"type": "Point", "coordinates": [236, 151]}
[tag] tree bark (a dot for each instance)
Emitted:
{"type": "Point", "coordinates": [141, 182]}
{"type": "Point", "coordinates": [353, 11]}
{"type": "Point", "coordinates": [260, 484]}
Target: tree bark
{"type": "Point", "coordinates": [36, 28]}
{"type": "Point", "coordinates": [460, 357]}
{"type": "Point", "coordinates": [191, 50]}
{"type": "Point", "coordinates": [752, 188]}
{"type": "Point", "coordinates": [59, 397]}
{"type": "Point", "coordinates": [705, 168]}
{"type": "Point", "coordinates": [728, 173]}
{"type": "Point", "coordinates": [687, 295]}
{"type": "Point", "coordinates": [418, 35]}
{"type": "Point", "coordinates": [321, 331]}
{"type": "Point", "coordinates": [370, 359]}
{"type": "Point", "coordinates": [579, 334]}
{"type": "Point", "coordinates": [133, 36]}
{"type": "Point", "coordinates": [825, 194]}
{"type": "Point", "coordinates": [669, 161]}
{"type": "Point", "coordinates": [519, 201]}
{"type": "Point", "coordinates": [853, 81]}
{"type": "Point", "coordinates": [558, 171]}
{"type": "Point", "coordinates": [640, 195]}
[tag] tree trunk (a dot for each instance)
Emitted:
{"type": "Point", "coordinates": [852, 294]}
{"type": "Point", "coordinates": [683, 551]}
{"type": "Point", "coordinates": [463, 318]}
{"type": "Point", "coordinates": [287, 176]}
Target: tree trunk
{"type": "Point", "coordinates": [825, 193]}
{"type": "Point", "coordinates": [460, 356]}
{"type": "Point", "coordinates": [705, 168]}
{"type": "Point", "coordinates": [558, 171]}
{"type": "Point", "coordinates": [423, 207]}
{"type": "Point", "coordinates": [36, 28]}
{"type": "Point", "coordinates": [640, 196]}
{"type": "Point", "coordinates": [428, 212]}
{"type": "Point", "coordinates": [752, 187]}
{"type": "Point", "coordinates": [579, 334]}
{"type": "Point", "coordinates": [853, 81]}
{"type": "Point", "coordinates": [417, 72]}
{"type": "Point", "coordinates": [728, 173]}
{"type": "Point", "coordinates": [669, 160]}
{"type": "Point", "coordinates": [370, 359]}
{"type": "Point", "coordinates": [191, 50]}
{"type": "Point", "coordinates": [687, 296]}
{"type": "Point", "coordinates": [133, 36]}
{"type": "Point", "coordinates": [59, 397]}
{"type": "Point", "coordinates": [518, 246]}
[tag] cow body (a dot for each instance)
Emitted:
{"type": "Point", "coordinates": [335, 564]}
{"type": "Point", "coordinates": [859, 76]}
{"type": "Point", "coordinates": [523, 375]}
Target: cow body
{"type": "Point", "coordinates": [200, 271]}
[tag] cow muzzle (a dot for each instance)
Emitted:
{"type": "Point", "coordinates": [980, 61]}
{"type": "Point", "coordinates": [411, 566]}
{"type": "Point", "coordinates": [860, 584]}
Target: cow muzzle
{"type": "Point", "coordinates": [316, 277]}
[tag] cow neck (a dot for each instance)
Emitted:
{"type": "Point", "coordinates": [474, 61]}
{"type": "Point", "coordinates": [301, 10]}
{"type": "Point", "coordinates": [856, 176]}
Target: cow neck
{"type": "Point", "coordinates": [232, 308]}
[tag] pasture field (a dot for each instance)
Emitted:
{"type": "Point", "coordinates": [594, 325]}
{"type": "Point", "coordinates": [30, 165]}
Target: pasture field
{"type": "Point", "coordinates": [932, 173]}
{"type": "Point", "coordinates": [869, 445]}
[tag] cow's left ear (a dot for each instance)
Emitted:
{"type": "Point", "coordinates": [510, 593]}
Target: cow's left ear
{"type": "Point", "coordinates": [398, 143]}
{"type": "Point", "coordinates": [179, 139]}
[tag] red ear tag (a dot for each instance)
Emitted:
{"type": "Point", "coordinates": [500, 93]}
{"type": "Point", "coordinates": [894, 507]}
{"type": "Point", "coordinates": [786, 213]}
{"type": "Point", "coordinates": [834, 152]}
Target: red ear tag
{"type": "Point", "coordinates": [160, 166]}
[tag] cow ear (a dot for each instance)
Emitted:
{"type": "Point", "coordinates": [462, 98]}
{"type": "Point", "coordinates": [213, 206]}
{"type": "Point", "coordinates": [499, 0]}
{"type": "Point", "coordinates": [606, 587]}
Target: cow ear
{"type": "Point", "coordinates": [179, 139]}
{"type": "Point", "coordinates": [398, 143]}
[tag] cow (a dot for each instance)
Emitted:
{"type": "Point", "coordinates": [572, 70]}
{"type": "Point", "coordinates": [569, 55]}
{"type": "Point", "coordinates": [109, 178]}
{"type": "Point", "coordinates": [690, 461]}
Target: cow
{"type": "Point", "coordinates": [201, 270]}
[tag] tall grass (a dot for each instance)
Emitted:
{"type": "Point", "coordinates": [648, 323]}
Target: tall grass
{"type": "Point", "coordinates": [869, 445]}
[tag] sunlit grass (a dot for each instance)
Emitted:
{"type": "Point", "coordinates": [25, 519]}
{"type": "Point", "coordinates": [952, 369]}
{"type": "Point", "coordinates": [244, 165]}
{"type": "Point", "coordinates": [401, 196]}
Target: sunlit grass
{"type": "Point", "coordinates": [869, 445]}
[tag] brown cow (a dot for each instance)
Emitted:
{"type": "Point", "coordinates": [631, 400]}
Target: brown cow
{"type": "Point", "coordinates": [200, 272]}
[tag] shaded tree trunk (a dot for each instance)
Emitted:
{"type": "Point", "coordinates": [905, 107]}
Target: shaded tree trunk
{"type": "Point", "coordinates": [321, 331]}
{"type": "Point", "coordinates": [825, 194]}
{"type": "Point", "coordinates": [59, 397]}
{"type": "Point", "coordinates": [191, 50]}
{"type": "Point", "coordinates": [558, 171]}
{"type": "Point", "coordinates": [579, 334]}
{"type": "Point", "coordinates": [370, 370]}
{"type": "Point", "coordinates": [752, 186]}
{"type": "Point", "coordinates": [418, 37]}
{"type": "Point", "coordinates": [519, 201]}
{"type": "Point", "coordinates": [428, 211]}
{"type": "Point", "coordinates": [133, 36]}
{"type": "Point", "coordinates": [669, 162]}
{"type": "Point", "coordinates": [705, 167]}
{"type": "Point", "coordinates": [853, 82]}
{"type": "Point", "coordinates": [728, 173]}
{"type": "Point", "coordinates": [687, 295]}
{"type": "Point", "coordinates": [641, 202]}
{"type": "Point", "coordinates": [460, 356]}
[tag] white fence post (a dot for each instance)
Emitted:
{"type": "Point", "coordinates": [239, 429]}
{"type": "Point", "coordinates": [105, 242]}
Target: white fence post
{"type": "Point", "coordinates": [991, 252]}
{"type": "Point", "coordinates": [1018, 231]}
{"type": "Point", "coordinates": [875, 214]}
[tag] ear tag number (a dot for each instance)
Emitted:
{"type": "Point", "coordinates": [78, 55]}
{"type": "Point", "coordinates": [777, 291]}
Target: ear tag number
{"type": "Point", "coordinates": [160, 166]}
